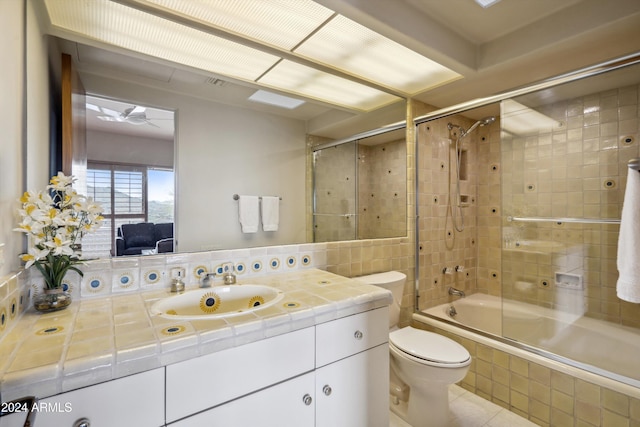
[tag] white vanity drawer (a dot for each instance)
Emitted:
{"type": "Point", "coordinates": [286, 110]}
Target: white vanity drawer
{"type": "Point", "coordinates": [136, 400]}
{"type": "Point", "coordinates": [210, 380]}
{"type": "Point", "coordinates": [343, 337]}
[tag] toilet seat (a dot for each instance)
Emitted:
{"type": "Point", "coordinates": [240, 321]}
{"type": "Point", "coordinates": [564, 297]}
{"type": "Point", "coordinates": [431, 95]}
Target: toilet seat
{"type": "Point", "coordinates": [429, 348]}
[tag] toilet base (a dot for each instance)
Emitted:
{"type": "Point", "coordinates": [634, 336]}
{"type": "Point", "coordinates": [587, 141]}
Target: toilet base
{"type": "Point", "coordinates": [430, 409]}
{"type": "Point", "coordinates": [398, 407]}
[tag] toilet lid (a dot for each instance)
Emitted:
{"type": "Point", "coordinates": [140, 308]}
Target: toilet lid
{"type": "Point", "coordinates": [428, 346]}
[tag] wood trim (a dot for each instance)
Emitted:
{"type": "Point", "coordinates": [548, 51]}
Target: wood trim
{"type": "Point", "coordinates": [67, 113]}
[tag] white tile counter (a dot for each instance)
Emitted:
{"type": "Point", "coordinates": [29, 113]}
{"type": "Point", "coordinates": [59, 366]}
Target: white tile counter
{"type": "Point", "coordinates": [100, 339]}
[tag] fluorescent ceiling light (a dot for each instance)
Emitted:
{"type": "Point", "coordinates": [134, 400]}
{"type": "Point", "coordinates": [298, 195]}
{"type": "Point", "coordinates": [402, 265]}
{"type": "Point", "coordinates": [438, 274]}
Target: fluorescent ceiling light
{"type": "Point", "coordinates": [287, 29]}
{"type": "Point", "coordinates": [486, 3]}
{"type": "Point", "coordinates": [297, 78]}
{"type": "Point", "coordinates": [359, 51]}
{"type": "Point", "coordinates": [518, 119]}
{"type": "Point", "coordinates": [283, 24]}
{"type": "Point", "coordinates": [121, 26]}
{"type": "Point", "coordinates": [271, 98]}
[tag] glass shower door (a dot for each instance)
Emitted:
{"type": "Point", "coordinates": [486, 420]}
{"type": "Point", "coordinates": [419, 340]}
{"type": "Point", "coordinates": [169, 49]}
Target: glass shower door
{"type": "Point", "coordinates": [335, 181]}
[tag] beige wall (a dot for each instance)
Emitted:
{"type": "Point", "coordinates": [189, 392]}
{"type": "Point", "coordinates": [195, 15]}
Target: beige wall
{"type": "Point", "coordinates": [21, 140]}
{"type": "Point", "coordinates": [222, 150]}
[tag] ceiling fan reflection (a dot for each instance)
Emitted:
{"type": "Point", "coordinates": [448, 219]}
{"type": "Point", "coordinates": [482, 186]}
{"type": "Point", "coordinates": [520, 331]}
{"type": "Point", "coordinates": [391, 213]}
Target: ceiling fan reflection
{"type": "Point", "coordinates": [135, 115]}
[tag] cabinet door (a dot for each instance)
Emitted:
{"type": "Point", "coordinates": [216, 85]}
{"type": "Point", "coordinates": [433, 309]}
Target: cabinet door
{"type": "Point", "coordinates": [137, 400]}
{"type": "Point", "coordinates": [354, 392]}
{"type": "Point", "coordinates": [282, 405]}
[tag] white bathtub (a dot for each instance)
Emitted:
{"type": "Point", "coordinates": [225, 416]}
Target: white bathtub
{"type": "Point", "coordinates": [602, 348]}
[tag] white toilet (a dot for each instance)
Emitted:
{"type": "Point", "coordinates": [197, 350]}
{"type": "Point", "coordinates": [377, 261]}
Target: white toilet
{"type": "Point", "coordinates": [424, 361]}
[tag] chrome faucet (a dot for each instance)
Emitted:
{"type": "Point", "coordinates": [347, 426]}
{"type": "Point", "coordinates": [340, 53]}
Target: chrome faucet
{"type": "Point", "coordinates": [206, 280]}
{"type": "Point", "coordinates": [456, 292]}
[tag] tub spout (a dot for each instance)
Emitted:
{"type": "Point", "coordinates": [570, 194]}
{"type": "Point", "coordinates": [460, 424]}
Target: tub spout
{"type": "Point", "coordinates": [456, 292]}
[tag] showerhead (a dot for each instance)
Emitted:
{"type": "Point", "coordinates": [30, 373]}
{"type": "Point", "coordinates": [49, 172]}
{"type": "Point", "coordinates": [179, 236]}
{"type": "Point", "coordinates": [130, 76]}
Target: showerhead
{"type": "Point", "coordinates": [482, 122]}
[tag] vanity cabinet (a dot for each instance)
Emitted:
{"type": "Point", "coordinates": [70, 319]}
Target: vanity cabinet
{"type": "Point", "coordinates": [352, 371]}
{"type": "Point", "coordinates": [334, 374]}
{"type": "Point", "coordinates": [346, 385]}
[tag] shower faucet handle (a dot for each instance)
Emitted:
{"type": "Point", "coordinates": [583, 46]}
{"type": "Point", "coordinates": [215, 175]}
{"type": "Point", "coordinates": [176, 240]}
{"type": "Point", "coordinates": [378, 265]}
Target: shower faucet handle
{"type": "Point", "coordinates": [447, 270]}
{"type": "Point", "coordinates": [459, 268]}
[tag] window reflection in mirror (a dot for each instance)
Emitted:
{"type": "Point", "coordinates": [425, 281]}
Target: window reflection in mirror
{"type": "Point", "coordinates": [130, 172]}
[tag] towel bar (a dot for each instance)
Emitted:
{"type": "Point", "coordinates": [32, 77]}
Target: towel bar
{"type": "Point", "coordinates": [237, 197]}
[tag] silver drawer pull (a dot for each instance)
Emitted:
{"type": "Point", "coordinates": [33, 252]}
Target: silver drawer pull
{"type": "Point", "coordinates": [82, 422]}
{"type": "Point", "coordinates": [307, 399]}
{"type": "Point", "coordinates": [358, 335]}
{"type": "Point", "coordinates": [327, 390]}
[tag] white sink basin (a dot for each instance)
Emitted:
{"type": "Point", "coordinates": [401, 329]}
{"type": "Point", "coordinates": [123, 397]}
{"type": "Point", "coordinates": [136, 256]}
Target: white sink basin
{"type": "Point", "coordinates": [217, 302]}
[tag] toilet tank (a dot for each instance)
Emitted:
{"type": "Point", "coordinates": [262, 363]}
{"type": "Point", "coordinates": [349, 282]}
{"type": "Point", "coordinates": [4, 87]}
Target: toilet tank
{"type": "Point", "coordinates": [393, 281]}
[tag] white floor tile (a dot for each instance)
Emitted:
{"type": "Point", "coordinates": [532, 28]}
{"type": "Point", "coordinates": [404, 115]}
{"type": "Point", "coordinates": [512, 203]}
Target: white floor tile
{"type": "Point", "coordinates": [470, 410]}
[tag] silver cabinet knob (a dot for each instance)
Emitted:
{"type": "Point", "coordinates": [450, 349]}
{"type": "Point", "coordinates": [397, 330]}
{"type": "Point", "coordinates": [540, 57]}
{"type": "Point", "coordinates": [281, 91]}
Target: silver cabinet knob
{"type": "Point", "coordinates": [307, 399]}
{"type": "Point", "coordinates": [327, 390]}
{"type": "Point", "coordinates": [82, 422]}
{"type": "Point", "coordinates": [358, 335]}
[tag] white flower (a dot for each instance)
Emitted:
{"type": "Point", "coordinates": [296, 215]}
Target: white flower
{"type": "Point", "coordinates": [55, 221]}
{"type": "Point", "coordinates": [60, 182]}
{"type": "Point", "coordinates": [60, 246]}
{"type": "Point", "coordinates": [34, 255]}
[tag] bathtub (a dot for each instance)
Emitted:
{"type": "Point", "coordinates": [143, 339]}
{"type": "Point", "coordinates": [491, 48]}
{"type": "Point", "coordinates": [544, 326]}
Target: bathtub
{"type": "Point", "coordinates": [599, 351]}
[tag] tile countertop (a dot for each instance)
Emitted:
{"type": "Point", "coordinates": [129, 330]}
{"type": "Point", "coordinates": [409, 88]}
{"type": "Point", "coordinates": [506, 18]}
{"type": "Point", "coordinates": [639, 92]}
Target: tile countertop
{"type": "Point", "coordinates": [96, 340]}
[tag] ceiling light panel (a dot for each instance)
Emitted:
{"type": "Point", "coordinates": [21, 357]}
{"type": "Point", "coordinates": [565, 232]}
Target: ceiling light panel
{"type": "Point", "coordinates": [279, 23]}
{"type": "Point", "coordinates": [266, 97]}
{"type": "Point", "coordinates": [355, 49]}
{"type": "Point", "coordinates": [131, 29]}
{"type": "Point", "coordinates": [296, 78]}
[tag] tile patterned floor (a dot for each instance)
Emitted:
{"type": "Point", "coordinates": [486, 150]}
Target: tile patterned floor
{"type": "Point", "coordinates": [470, 410]}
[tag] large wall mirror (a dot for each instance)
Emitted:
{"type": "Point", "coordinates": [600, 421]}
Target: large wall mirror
{"type": "Point", "coordinates": [215, 137]}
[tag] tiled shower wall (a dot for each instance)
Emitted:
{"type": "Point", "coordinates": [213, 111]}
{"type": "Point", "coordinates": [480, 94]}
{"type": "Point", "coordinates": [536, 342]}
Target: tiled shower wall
{"type": "Point", "coordinates": [441, 246]}
{"type": "Point", "coordinates": [382, 190]}
{"type": "Point", "coordinates": [376, 176]}
{"type": "Point", "coordinates": [578, 169]}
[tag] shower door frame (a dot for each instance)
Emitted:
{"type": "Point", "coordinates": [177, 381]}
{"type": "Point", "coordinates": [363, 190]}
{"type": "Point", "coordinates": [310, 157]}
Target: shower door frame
{"type": "Point", "coordinates": [594, 70]}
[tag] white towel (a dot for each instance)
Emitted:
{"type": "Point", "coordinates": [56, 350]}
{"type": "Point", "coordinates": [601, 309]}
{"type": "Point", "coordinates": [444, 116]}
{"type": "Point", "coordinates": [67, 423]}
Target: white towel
{"type": "Point", "coordinates": [628, 287]}
{"type": "Point", "coordinates": [270, 213]}
{"type": "Point", "coordinates": [249, 213]}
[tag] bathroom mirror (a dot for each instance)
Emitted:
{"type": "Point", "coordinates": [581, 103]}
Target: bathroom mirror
{"type": "Point", "coordinates": [226, 145]}
{"type": "Point", "coordinates": [360, 188]}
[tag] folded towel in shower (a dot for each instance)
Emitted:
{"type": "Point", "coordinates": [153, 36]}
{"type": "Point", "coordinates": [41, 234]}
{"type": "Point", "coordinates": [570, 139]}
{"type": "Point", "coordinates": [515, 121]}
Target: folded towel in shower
{"type": "Point", "coordinates": [270, 213]}
{"type": "Point", "coordinates": [628, 287]}
{"type": "Point", "coordinates": [249, 213]}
